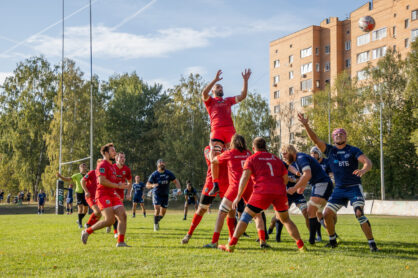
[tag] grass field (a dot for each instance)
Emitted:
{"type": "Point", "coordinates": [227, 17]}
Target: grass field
{"type": "Point", "coordinates": [49, 245]}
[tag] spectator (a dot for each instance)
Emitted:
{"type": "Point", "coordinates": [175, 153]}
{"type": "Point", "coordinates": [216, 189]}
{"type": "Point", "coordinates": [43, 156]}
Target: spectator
{"type": "Point", "coordinates": [1, 196]}
{"type": "Point", "coordinates": [9, 196]}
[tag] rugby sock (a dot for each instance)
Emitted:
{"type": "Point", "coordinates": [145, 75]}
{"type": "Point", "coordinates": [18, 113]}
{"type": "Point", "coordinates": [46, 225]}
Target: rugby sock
{"type": "Point", "coordinates": [155, 219]}
{"type": "Point", "coordinates": [318, 228]}
{"type": "Point", "coordinates": [80, 218]}
{"type": "Point", "coordinates": [89, 230]}
{"type": "Point", "coordinates": [71, 210]}
{"type": "Point", "coordinates": [133, 214]}
{"type": "Point", "coordinates": [299, 243]}
{"type": "Point", "coordinates": [145, 214]}
{"type": "Point", "coordinates": [195, 221]}
{"type": "Point", "coordinates": [333, 240]}
{"type": "Point", "coordinates": [42, 211]}
{"type": "Point", "coordinates": [231, 225]}
{"type": "Point", "coordinates": [39, 211]}
{"type": "Point", "coordinates": [372, 244]}
{"type": "Point", "coordinates": [279, 228]}
{"type": "Point", "coordinates": [263, 215]}
{"type": "Point", "coordinates": [115, 227]}
{"type": "Point", "coordinates": [312, 229]}
{"type": "Point", "coordinates": [262, 235]}
{"type": "Point", "coordinates": [68, 210]}
{"type": "Point", "coordinates": [233, 241]}
{"type": "Point", "coordinates": [215, 237]}
{"type": "Point", "coordinates": [92, 220]}
{"type": "Point", "coordinates": [121, 238]}
{"type": "Point", "coordinates": [322, 221]}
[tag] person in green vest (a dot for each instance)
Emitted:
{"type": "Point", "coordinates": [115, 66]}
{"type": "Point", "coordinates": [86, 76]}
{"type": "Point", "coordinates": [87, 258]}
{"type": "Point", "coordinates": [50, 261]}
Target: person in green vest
{"type": "Point", "coordinates": [82, 205]}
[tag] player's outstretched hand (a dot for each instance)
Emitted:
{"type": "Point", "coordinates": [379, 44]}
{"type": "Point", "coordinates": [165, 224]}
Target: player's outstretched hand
{"type": "Point", "coordinates": [235, 203]}
{"type": "Point", "coordinates": [359, 173]}
{"type": "Point", "coordinates": [302, 119]}
{"type": "Point", "coordinates": [218, 76]}
{"type": "Point", "coordinates": [128, 197]}
{"type": "Point", "coordinates": [246, 74]}
{"type": "Point", "coordinates": [291, 190]}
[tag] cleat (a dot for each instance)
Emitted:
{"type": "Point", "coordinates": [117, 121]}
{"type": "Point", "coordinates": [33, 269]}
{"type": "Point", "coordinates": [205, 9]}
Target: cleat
{"type": "Point", "coordinates": [227, 248]}
{"type": "Point", "coordinates": [332, 245]}
{"type": "Point", "coordinates": [211, 245]}
{"type": "Point", "coordinates": [186, 239]}
{"type": "Point", "coordinates": [374, 249]}
{"type": "Point", "coordinates": [184, 218]}
{"type": "Point", "coordinates": [303, 249]}
{"type": "Point", "coordinates": [318, 239]}
{"type": "Point", "coordinates": [264, 245]}
{"type": "Point", "coordinates": [133, 215]}
{"type": "Point", "coordinates": [79, 225]}
{"type": "Point", "coordinates": [145, 215]}
{"type": "Point", "coordinates": [108, 229]}
{"type": "Point", "coordinates": [156, 227]}
{"type": "Point", "coordinates": [122, 244]}
{"type": "Point", "coordinates": [84, 236]}
{"type": "Point", "coordinates": [245, 234]}
{"type": "Point", "coordinates": [115, 235]}
{"type": "Point", "coordinates": [215, 189]}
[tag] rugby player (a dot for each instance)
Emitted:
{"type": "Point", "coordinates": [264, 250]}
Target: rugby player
{"type": "Point", "coordinates": [138, 193]}
{"type": "Point", "coordinates": [343, 161]}
{"type": "Point", "coordinates": [234, 159]}
{"type": "Point", "coordinates": [82, 205]}
{"type": "Point", "coordinates": [190, 196]}
{"type": "Point", "coordinates": [123, 174]}
{"type": "Point", "coordinates": [89, 184]}
{"type": "Point", "coordinates": [206, 199]}
{"type": "Point", "coordinates": [69, 199]}
{"type": "Point", "coordinates": [269, 176]}
{"type": "Point", "coordinates": [313, 174]}
{"type": "Point", "coordinates": [41, 201]}
{"type": "Point", "coordinates": [219, 109]}
{"type": "Point", "coordinates": [159, 181]}
{"type": "Point", "coordinates": [107, 200]}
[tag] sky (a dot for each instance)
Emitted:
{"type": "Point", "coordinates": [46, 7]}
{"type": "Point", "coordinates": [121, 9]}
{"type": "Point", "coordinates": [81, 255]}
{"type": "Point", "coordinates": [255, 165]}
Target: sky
{"type": "Point", "coordinates": [160, 40]}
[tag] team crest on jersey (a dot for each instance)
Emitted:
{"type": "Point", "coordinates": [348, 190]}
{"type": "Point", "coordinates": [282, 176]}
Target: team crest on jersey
{"type": "Point", "coordinates": [102, 170]}
{"type": "Point", "coordinates": [123, 172]}
{"type": "Point", "coordinates": [86, 176]}
{"type": "Point", "coordinates": [107, 202]}
{"type": "Point", "coordinates": [347, 155]}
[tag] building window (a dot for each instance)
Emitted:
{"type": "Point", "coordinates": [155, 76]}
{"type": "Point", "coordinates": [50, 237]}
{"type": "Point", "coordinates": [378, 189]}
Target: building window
{"type": "Point", "coordinates": [347, 45]}
{"type": "Point", "coordinates": [362, 57]}
{"type": "Point", "coordinates": [291, 74]}
{"type": "Point", "coordinates": [379, 34]}
{"type": "Point", "coordinates": [348, 63]}
{"type": "Point", "coordinates": [394, 31]}
{"type": "Point", "coordinates": [278, 125]}
{"type": "Point", "coordinates": [414, 34]}
{"type": "Point", "coordinates": [326, 67]}
{"type": "Point", "coordinates": [306, 68]}
{"type": "Point", "coordinates": [291, 45]}
{"type": "Point", "coordinates": [276, 94]}
{"type": "Point", "coordinates": [406, 23]}
{"type": "Point", "coordinates": [318, 67]}
{"type": "Point", "coordinates": [363, 39]}
{"type": "Point", "coordinates": [291, 106]}
{"type": "Point", "coordinates": [290, 59]}
{"type": "Point", "coordinates": [414, 15]}
{"type": "Point", "coordinates": [361, 75]}
{"type": "Point", "coordinates": [327, 49]}
{"type": "Point", "coordinates": [317, 83]}
{"type": "Point", "coordinates": [379, 52]}
{"type": "Point", "coordinates": [306, 52]}
{"type": "Point", "coordinates": [317, 51]}
{"type": "Point", "coordinates": [277, 51]}
{"type": "Point", "coordinates": [276, 79]}
{"type": "Point", "coordinates": [306, 85]}
{"type": "Point", "coordinates": [394, 48]}
{"type": "Point", "coordinates": [276, 63]}
{"type": "Point", "coordinates": [291, 121]}
{"type": "Point", "coordinates": [305, 101]}
{"type": "Point", "coordinates": [406, 43]}
{"type": "Point", "coordinates": [290, 91]}
{"type": "Point", "coordinates": [277, 109]}
{"type": "Point", "coordinates": [327, 20]}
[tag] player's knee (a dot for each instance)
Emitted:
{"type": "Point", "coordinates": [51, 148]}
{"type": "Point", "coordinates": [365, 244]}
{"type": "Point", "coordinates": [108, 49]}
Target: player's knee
{"type": "Point", "coordinates": [224, 207]}
{"type": "Point", "coordinates": [246, 217]}
{"type": "Point", "coordinates": [361, 218]}
{"type": "Point", "coordinates": [203, 207]}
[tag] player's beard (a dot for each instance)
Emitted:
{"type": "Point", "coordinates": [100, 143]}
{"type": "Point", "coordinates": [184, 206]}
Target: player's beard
{"type": "Point", "coordinates": [340, 143]}
{"type": "Point", "coordinates": [161, 167]}
{"type": "Point", "coordinates": [219, 94]}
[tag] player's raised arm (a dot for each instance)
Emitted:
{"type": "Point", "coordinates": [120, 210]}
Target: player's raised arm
{"type": "Point", "coordinates": [312, 135]}
{"type": "Point", "coordinates": [246, 174]}
{"type": "Point", "coordinates": [206, 90]}
{"type": "Point", "coordinates": [245, 75]}
{"type": "Point", "coordinates": [367, 165]}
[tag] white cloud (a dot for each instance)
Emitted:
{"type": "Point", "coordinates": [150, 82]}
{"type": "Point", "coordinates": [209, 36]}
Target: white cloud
{"type": "Point", "coordinates": [4, 75]}
{"type": "Point", "coordinates": [111, 44]}
{"type": "Point", "coordinates": [166, 84]}
{"type": "Point", "coordinates": [195, 70]}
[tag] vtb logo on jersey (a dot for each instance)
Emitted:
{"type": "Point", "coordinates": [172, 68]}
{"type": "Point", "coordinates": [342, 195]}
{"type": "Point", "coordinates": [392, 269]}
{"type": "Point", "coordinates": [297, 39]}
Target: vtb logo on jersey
{"type": "Point", "coordinates": [124, 172]}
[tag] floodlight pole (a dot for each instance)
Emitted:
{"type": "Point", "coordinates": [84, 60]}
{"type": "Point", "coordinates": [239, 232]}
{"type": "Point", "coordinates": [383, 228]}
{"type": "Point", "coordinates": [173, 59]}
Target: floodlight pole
{"type": "Point", "coordinates": [382, 170]}
{"type": "Point", "coordinates": [91, 94]}
{"type": "Point", "coordinates": [62, 88]}
{"type": "Point", "coordinates": [329, 116]}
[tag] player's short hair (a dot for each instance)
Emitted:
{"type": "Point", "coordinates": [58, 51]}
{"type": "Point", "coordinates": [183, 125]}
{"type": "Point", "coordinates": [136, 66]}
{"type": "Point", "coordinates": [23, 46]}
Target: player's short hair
{"type": "Point", "coordinates": [289, 149]}
{"type": "Point", "coordinates": [160, 161]}
{"type": "Point", "coordinates": [260, 144]}
{"type": "Point", "coordinates": [82, 164]}
{"type": "Point", "coordinates": [105, 149]}
{"type": "Point", "coordinates": [238, 142]}
{"type": "Point", "coordinates": [99, 160]}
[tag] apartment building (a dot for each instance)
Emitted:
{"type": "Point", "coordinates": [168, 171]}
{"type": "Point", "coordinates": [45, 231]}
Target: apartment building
{"type": "Point", "coordinates": [306, 61]}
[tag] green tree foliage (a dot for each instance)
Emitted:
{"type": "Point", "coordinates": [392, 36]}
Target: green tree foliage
{"type": "Point", "coordinates": [26, 112]}
{"type": "Point", "coordinates": [184, 130]}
